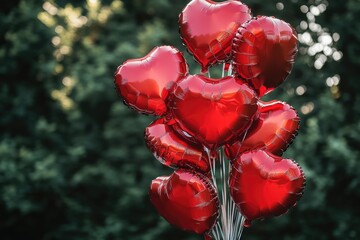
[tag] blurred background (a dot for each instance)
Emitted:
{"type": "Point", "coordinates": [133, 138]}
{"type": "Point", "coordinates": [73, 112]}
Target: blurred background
{"type": "Point", "coordinates": [73, 163]}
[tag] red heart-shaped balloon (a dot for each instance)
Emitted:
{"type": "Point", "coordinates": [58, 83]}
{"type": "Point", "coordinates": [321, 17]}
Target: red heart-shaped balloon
{"type": "Point", "coordinates": [264, 51]}
{"type": "Point", "coordinates": [145, 83]}
{"type": "Point", "coordinates": [213, 110]}
{"type": "Point", "coordinates": [186, 199]}
{"type": "Point", "coordinates": [171, 149]}
{"type": "Point", "coordinates": [273, 131]}
{"type": "Point", "coordinates": [207, 28]}
{"type": "Point", "coordinates": [264, 185]}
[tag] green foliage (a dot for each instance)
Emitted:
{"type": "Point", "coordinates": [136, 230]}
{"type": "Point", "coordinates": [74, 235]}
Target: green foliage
{"type": "Point", "coordinates": [73, 164]}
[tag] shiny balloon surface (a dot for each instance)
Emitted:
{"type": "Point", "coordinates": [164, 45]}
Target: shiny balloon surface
{"type": "Point", "coordinates": [264, 185]}
{"type": "Point", "coordinates": [264, 51]}
{"type": "Point", "coordinates": [207, 28]}
{"type": "Point", "coordinates": [213, 111]}
{"type": "Point", "coordinates": [145, 83]}
{"type": "Point", "coordinates": [186, 199]}
{"type": "Point", "coordinates": [173, 150]}
{"type": "Point", "coordinates": [273, 131]}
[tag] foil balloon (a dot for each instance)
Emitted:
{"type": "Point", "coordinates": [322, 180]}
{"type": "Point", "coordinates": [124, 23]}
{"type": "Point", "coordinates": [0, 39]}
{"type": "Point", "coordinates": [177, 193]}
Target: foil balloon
{"type": "Point", "coordinates": [200, 117]}
{"type": "Point", "coordinates": [145, 83]}
{"type": "Point", "coordinates": [273, 131]}
{"type": "Point", "coordinates": [264, 51]}
{"type": "Point", "coordinates": [186, 199]}
{"type": "Point", "coordinates": [172, 150]}
{"type": "Point", "coordinates": [213, 111]}
{"type": "Point", "coordinates": [264, 185]}
{"type": "Point", "coordinates": [207, 28]}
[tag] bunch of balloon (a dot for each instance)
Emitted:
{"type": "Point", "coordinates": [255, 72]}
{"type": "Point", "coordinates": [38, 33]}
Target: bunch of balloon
{"type": "Point", "coordinates": [224, 144]}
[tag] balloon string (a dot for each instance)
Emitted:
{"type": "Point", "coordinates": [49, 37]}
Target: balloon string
{"type": "Point", "coordinates": [230, 224]}
{"type": "Point", "coordinates": [223, 70]}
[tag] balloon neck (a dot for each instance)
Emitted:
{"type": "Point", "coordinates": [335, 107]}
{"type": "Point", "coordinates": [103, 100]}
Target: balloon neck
{"type": "Point", "coordinates": [204, 70]}
{"type": "Point", "coordinates": [207, 237]}
{"type": "Point", "coordinates": [227, 66]}
{"type": "Point", "coordinates": [214, 153]}
{"type": "Point", "coordinates": [247, 223]}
